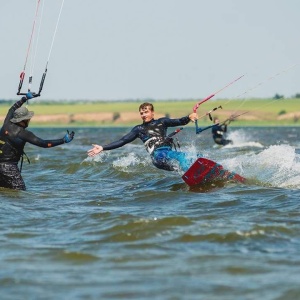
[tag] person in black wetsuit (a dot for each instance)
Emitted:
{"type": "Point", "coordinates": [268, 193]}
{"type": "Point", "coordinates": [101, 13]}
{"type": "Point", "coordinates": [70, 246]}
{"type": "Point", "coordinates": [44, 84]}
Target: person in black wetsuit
{"type": "Point", "coordinates": [153, 134]}
{"type": "Point", "coordinates": [13, 137]}
{"type": "Point", "coordinates": [218, 133]}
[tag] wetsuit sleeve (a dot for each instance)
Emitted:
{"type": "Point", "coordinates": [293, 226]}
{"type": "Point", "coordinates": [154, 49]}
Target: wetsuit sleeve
{"type": "Point", "coordinates": [214, 129]}
{"type": "Point", "coordinates": [11, 111]}
{"type": "Point", "coordinates": [175, 122]}
{"type": "Point", "coordinates": [29, 137]}
{"type": "Point", "coordinates": [129, 137]}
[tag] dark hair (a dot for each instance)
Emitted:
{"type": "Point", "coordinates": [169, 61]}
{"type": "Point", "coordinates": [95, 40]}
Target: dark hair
{"type": "Point", "coordinates": [146, 104]}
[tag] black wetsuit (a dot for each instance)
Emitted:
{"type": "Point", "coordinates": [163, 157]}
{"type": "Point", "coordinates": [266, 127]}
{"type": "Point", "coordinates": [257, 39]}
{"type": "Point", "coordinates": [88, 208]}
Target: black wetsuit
{"type": "Point", "coordinates": [218, 134]}
{"type": "Point", "coordinates": [154, 136]}
{"type": "Point", "coordinates": [13, 138]}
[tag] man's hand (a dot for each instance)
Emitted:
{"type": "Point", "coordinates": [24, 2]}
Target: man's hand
{"type": "Point", "coordinates": [96, 150]}
{"type": "Point", "coordinates": [29, 95]}
{"type": "Point", "coordinates": [193, 116]}
{"type": "Point", "coordinates": [69, 136]}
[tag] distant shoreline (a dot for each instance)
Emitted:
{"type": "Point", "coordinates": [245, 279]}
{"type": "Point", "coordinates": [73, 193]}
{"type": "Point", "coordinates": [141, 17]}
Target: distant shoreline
{"type": "Point", "coordinates": [256, 112]}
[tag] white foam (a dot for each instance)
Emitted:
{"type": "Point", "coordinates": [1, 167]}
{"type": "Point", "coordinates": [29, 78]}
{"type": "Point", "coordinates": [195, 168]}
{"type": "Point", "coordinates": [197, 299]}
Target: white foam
{"type": "Point", "coordinates": [130, 160]}
{"type": "Point", "coordinates": [242, 139]}
{"type": "Point", "coordinates": [98, 158]}
{"type": "Point", "coordinates": [277, 166]}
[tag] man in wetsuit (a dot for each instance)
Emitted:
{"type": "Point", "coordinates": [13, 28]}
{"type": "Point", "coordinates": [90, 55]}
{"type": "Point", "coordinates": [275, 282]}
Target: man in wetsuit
{"type": "Point", "coordinates": [218, 133]}
{"type": "Point", "coordinates": [13, 137]}
{"type": "Point", "coordinates": [153, 134]}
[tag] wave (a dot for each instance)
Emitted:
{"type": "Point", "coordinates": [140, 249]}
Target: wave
{"type": "Point", "coordinates": [275, 166]}
{"type": "Point", "coordinates": [241, 139]}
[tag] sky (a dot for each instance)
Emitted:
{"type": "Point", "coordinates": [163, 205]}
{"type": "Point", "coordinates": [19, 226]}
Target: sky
{"type": "Point", "coordinates": [153, 49]}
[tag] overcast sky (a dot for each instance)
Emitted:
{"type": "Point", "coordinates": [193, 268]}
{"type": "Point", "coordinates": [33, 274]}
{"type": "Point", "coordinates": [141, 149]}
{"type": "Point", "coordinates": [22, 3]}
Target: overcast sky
{"type": "Point", "coordinates": [157, 49]}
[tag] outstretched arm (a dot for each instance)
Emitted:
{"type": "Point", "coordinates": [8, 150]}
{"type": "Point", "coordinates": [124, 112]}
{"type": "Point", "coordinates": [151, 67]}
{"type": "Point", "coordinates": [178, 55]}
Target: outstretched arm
{"type": "Point", "coordinates": [31, 138]}
{"type": "Point", "coordinates": [131, 136]}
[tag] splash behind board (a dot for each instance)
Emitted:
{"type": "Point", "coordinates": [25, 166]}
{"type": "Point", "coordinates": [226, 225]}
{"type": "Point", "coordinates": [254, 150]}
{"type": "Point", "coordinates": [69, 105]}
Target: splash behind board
{"type": "Point", "coordinates": [204, 171]}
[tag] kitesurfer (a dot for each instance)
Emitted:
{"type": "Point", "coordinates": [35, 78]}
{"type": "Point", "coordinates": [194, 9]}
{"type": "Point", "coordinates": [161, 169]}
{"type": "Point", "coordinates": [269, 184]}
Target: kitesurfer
{"type": "Point", "coordinates": [218, 131]}
{"type": "Point", "coordinates": [153, 134]}
{"type": "Point", "coordinates": [13, 137]}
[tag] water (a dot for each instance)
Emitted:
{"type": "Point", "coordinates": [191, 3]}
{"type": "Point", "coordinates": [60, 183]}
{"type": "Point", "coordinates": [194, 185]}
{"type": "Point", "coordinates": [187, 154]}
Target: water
{"type": "Point", "coordinates": [115, 227]}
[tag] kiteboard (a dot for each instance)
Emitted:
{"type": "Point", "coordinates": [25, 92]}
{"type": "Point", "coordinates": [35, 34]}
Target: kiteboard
{"type": "Point", "coordinates": [204, 171]}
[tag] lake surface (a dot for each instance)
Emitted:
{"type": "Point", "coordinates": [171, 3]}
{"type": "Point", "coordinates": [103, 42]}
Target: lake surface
{"type": "Point", "coordinates": [115, 227]}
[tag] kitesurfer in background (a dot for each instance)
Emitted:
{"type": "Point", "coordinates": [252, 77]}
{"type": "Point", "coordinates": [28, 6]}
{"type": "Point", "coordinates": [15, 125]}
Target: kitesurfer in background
{"type": "Point", "coordinates": [13, 137]}
{"type": "Point", "coordinates": [218, 131]}
{"type": "Point", "coordinates": [153, 134]}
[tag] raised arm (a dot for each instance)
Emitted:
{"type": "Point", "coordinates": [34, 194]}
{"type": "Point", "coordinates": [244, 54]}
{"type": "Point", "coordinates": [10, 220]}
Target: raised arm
{"type": "Point", "coordinates": [17, 105]}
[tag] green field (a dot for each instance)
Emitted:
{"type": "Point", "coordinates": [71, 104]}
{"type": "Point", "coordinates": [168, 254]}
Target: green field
{"type": "Point", "coordinates": [260, 112]}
